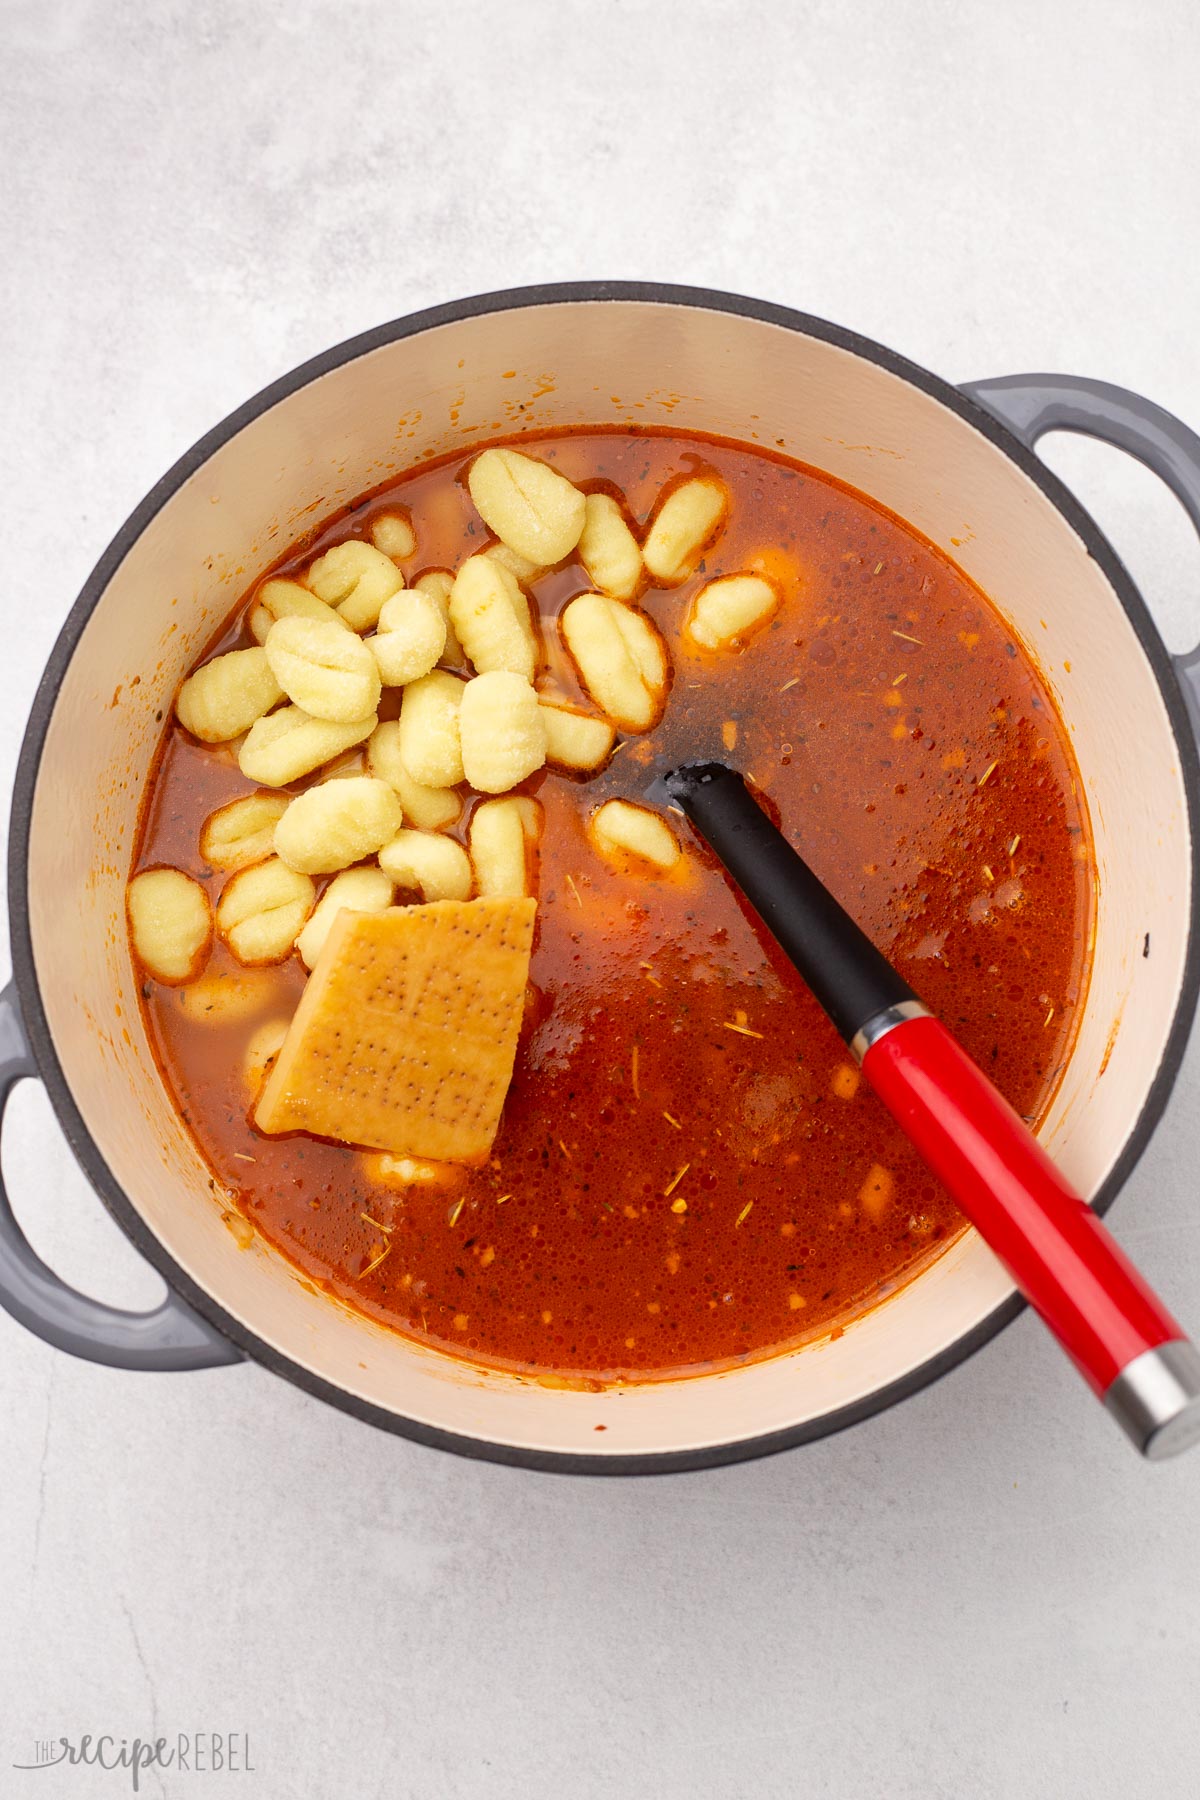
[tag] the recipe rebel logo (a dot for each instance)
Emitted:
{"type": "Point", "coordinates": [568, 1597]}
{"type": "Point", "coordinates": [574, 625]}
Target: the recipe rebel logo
{"type": "Point", "coordinates": [187, 1753]}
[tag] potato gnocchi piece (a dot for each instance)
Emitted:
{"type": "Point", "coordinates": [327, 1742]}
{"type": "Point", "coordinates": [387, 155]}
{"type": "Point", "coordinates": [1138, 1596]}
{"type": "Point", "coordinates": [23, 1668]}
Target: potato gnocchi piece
{"type": "Point", "coordinates": [355, 579]}
{"type": "Point", "coordinates": [411, 638]}
{"type": "Point", "coordinates": [392, 532]}
{"type": "Point", "coordinates": [519, 566]}
{"type": "Point", "coordinates": [608, 549]}
{"type": "Point", "coordinates": [324, 668]}
{"type": "Point", "coordinates": [430, 748]}
{"type": "Point", "coordinates": [429, 808]}
{"type": "Point", "coordinates": [343, 767]}
{"type": "Point", "coordinates": [426, 863]}
{"type": "Point", "coordinates": [384, 1170]}
{"type": "Point", "coordinates": [241, 832]}
{"type": "Point", "coordinates": [227, 696]}
{"type": "Point", "coordinates": [622, 829]}
{"type": "Point", "coordinates": [439, 582]}
{"type": "Point", "coordinates": [576, 740]}
{"type": "Point", "coordinates": [503, 732]}
{"type": "Point", "coordinates": [263, 1046]}
{"type": "Point", "coordinates": [337, 823]}
{"type": "Point", "coordinates": [503, 835]}
{"type": "Point", "coordinates": [226, 996]}
{"type": "Point", "coordinates": [279, 599]}
{"type": "Point", "coordinates": [291, 743]}
{"type": "Point", "coordinates": [171, 922]}
{"type": "Point", "coordinates": [727, 611]}
{"type": "Point", "coordinates": [687, 520]}
{"type": "Point", "coordinates": [530, 507]}
{"type": "Point", "coordinates": [490, 614]}
{"type": "Point", "coordinates": [261, 910]}
{"type": "Point", "coordinates": [358, 890]}
{"type": "Point", "coordinates": [620, 658]}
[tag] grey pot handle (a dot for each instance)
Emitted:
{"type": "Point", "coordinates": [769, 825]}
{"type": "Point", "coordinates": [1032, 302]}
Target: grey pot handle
{"type": "Point", "coordinates": [170, 1337]}
{"type": "Point", "coordinates": [1031, 405]}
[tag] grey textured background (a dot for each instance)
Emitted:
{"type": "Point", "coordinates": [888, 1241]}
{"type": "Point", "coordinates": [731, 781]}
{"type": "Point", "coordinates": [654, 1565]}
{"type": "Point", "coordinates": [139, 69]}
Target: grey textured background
{"type": "Point", "coordinates": [980, 1594]}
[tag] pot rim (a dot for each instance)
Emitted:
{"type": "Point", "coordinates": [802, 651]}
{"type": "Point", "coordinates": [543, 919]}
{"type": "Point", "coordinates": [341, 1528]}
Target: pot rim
{"type": "Point", "coordinates": [24, 786]}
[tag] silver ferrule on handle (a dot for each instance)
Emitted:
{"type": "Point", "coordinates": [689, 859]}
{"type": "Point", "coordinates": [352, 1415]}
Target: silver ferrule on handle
{"type": "Point", "coordinates": [1156, 1399]}
{"type": "Point", "coordinates": [882, 1023]}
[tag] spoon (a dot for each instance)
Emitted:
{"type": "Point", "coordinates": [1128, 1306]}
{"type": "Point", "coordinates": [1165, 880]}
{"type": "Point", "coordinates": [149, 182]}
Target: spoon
{"type": "Point", "coordinates": [1129, 1349]}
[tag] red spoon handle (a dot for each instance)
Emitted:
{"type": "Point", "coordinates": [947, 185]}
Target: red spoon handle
{"type": "Point", "coordinates": [1055, 1248]}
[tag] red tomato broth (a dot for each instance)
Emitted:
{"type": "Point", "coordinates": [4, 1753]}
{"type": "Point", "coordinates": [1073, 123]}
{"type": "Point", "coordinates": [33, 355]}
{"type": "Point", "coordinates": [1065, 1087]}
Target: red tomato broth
{"type": "Point", "coordinates": [564, 1256]}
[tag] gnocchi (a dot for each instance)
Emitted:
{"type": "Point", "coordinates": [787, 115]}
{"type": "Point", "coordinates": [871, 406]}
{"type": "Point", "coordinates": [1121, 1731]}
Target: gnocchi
{"type": "Point", "coordinates": [355, 578]}
{"type": "Point", "coordinates": [227, 696]}
{"type": "Point", "coordinates": [621, 659]}
{"type": "Point", "coordinates": [430, 748]}
{"type": "Point", "coordinates": [608, 549]}
{"type": "Point", "coordinates": [576, 740]}
{"type": "Point", "coordinates": [411, 637]}
{"type": "Point", "coordinates": [262, 1047]}
{"type": "Point", "coordinates": [429, 808]}
{"type": "Point", "coordinates": [261, 910]}
{"type": "Point", "coordinates": [357, 890]}
{"type": "Point", "coordinates": [490, 615]}
{"type": "Point", "coordinates": [530, 506]}
{"type": "Point", "coordinates": [224, 996]}
{"type": "Point", "coordinates": [324, 668]}
{"type": "Point", "coordinates": [687, 519]}
{"type": "Point", "coordinates": [241, 832]}
{"type": "Point", "coordinates": [503, 833]}
{"type": "Point", "coordinates": [406, 1171]}
{"type": "Point", "coordinates": [426, 863]}
{"type": "Point", "coordinates": [277, 599]}
{"type": "Point", "coordinates": [290, 743]}
{"type": "Point", "coordinates": [620, 829]}
{"type": "Point", "coordinates": [439, 582]}
{"type": "Point", "coordinates": [520, 566]}
{"type": "Point", "coordinates": [729, 610]}
{"type": "Point", "coordinates": [171, 923]}
{"type": "Point", "coordinates": [392, 532]}
{"type": "Point", "coordinates": [503, 731]}
{"type": "Point", "coordinates": [337, 823]}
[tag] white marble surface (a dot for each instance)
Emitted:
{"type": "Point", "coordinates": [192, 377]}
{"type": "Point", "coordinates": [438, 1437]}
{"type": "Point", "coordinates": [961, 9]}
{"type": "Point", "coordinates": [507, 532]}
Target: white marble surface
{"type": "Point", "coordinates": [981, 1594]}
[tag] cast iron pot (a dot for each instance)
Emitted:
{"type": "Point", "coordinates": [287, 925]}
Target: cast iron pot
{"type": "Point", "coordinates": [956, 462]}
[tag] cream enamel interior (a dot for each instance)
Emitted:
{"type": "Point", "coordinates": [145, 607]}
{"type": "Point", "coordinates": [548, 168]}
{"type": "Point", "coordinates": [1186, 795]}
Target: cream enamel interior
{"type": "Point", "coordinates": [584, 362]}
